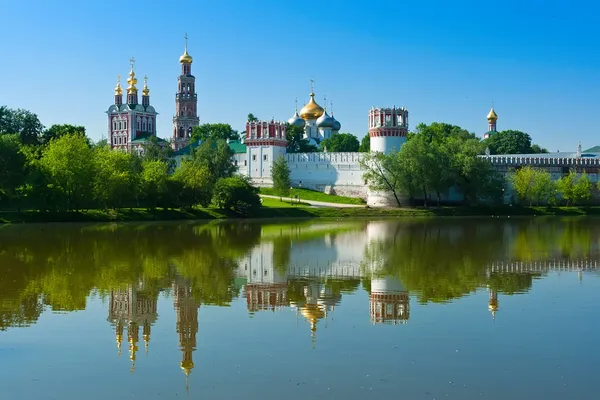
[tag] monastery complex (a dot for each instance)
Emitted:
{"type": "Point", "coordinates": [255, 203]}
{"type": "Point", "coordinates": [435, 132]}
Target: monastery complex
{"type": "Point", "coordinates": [131, 125]}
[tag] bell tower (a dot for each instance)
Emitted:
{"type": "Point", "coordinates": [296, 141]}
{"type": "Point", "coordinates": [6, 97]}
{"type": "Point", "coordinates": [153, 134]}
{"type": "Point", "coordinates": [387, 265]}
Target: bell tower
{"type": "Point", "coordinates": [186, 103]}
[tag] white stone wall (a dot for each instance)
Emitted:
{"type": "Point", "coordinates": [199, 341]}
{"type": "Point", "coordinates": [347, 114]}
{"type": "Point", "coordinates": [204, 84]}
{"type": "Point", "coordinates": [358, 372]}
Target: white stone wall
{"type": "Point", "coordinates": [336, 173]}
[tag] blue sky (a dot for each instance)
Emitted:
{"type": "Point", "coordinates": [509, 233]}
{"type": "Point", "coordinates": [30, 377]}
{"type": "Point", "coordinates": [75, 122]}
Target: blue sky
{"type": "Point", "coordinates": [538, 62]}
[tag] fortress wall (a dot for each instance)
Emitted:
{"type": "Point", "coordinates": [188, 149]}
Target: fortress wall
{"type": "Point", "coordinates": [335, 173]}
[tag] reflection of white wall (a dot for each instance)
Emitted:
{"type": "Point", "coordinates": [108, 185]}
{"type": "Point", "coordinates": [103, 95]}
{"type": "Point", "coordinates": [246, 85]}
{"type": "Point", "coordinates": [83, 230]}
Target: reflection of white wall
{"type": "Point", "coordinates": [258, 266]}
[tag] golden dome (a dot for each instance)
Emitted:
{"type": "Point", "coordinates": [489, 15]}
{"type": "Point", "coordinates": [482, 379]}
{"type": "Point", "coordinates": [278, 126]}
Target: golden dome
{"type": "Point", "coordinates": [185, 57]}
{"type": "Point", "coordinates": [492, 116]}
{"type": "Point", "coordinates": [146, 91]}
{"type": "Point", "coordinates": [311, 110]}
{"type": "Point", "coordinates": [187, 366]}
{"type": "Point", "coordinates": [132, 80]}
{"type": "Point", "coordinates": [118, 89]}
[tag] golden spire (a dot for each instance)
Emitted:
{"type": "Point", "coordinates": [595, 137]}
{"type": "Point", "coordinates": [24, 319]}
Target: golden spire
{"type": "Point", "coordinates": [146, 336]}
{"type": "Point", "coordinates": [119, 337]}
{"type": "Point", "coordinates": [146, 91]}
{"type": "Point", "coordinates": [185, 57]}
{"type": "Point", "coordinates": [132, 80]}
{"type": "Point", "coordinates": [492, 116]}
{"type": "Point", "coordinates": [118, 89]}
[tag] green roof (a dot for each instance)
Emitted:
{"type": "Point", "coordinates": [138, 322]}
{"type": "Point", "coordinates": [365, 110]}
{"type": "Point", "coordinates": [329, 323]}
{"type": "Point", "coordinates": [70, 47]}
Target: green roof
{"type": "Point", "coordinates": [595, 149]}
{"type": "Point", "coordinates": [237, 147]}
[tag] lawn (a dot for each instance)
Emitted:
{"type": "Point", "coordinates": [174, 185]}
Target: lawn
{"type": "Point", "coordinates": [307, 194]}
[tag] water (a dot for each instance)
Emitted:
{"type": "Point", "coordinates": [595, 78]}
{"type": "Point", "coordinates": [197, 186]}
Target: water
{"type": "Point", "coordinates": [429, 309]}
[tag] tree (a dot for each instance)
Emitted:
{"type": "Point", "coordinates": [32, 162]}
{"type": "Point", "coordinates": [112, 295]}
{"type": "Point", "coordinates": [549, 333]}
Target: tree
{"type": "Point", "coordinates": [280, 171]}
{"type": "Point", "coordinates": [236, 194]}
{"type": "Point", "coordinates": [154, 178]}
{"type": "Point", "coordinates": [365, 144]}
{"type": "Point", "coordinates": [252, 118]}
{"type": "Point", "coordinates": [214, 132]}
{"type": "Point", "coordinates": [383, 172]}
{"type": "Point", "coordinates": [532, 184]}
{"type": "Point", "coordinates": [69, 163]}
{"type": "Point", "coordinates": [22, 122]}
{"type": "Point", "coordinates": [56, 131]}
{"type": "Point", "coordinates": [116, 178]}
{"type": "Point", "coordinates": [216, 156]}
{"type": "Point", "coordinates": [439, 132]}
{"type": "Point", "coordinates": [512, 142]}
{"type": "Point", "coordinates": [156, 149]}
{"type": "Point", "coordinates": [296, 141]}
{"type": "Point", "coordinates": [574, 189]}
{"type": "Point", "coordinates": [12, 166]}
{"type": "Point", "coordinates": [197, 182]}
{"type": "Point", "coordinates": [341, 142]}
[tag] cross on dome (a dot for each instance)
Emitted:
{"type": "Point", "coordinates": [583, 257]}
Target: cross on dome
{"type": "Point", "coordinates": [132, 62]}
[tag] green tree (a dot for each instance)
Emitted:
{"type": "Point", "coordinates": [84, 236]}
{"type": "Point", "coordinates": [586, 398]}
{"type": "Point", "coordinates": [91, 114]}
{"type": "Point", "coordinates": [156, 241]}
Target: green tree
{"type": "Point", "coordinates": [69, 163]}
{"type": "Point", "coordinates": [296, 141]}
{"type": "Point", "coordinates": [341, 142]}
{"type": "Point", "coordinates": [214, 132]}
{"type": "Point", "coordinates": [383, 172]}
{"type": "Point", "coordinates": [236, 194]}
{"type": "Point", "coordinates": [365, 144]}
{"type": "Point", "coordinates": [22, 122]}
{"type": "Point", "coordinates": [512, 142]}
{"type": "Point", "coordinates": [12, 166]}
{"type": "Point", "coordinates": [574, 189]}
{"type": "Point", "coordinates": [536, 149]}
{"type": "Point", "coordinates": [533, 184]}
{"type": "Point", "coordinates": [57, 131]}
{"type": "Point", "coordinates": [155, 149]}
{"type": "Point", "coordinates": [154, 182]}
{"type": "Point", "coordinates": [252, 118]}
{"type": "Point", "coordinates": [116, 178]}
{"type": "Point", "coordinates": [280, 171]}
{"type": "Point", "coordinates": [216, 156]}
{"type": "Point", "coordinates": [197, 182]}
{"type": "Point", "coordinates": [439, 132]}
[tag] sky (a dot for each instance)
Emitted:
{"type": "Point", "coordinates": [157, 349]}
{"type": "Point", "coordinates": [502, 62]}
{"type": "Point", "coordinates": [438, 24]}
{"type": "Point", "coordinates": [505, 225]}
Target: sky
{"type": "Point", "coordinates": [537, 62]}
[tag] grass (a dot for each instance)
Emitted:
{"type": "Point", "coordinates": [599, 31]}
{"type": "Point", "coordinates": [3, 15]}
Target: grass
{"type": "Point", "coordinates": [273, 208]}
{"type": "Point", "coordinates": [307, 194]}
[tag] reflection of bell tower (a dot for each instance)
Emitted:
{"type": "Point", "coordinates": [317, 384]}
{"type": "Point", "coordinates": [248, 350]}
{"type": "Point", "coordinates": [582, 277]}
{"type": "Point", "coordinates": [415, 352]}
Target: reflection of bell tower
{"type": "Point", "coordinates": [493, 303]}
{"type": "Point", "coordinates": [187, 323]}
{"type": "Point", "coordinates": [389, 301]}
{"type": "Point", "coordinates": [132, 307]}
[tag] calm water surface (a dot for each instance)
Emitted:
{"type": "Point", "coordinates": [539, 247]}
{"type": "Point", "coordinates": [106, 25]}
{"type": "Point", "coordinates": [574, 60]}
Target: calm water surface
{"type": "Point", "coordinates": [432, 309]}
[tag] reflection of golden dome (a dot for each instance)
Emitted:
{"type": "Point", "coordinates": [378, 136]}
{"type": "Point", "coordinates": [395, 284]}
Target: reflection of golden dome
{"type": "Point", "coordinates": [311, 110]}
{"type": "Point", "coordinates": [493, 305]}
{"type": "Point", "coordinates": [313, 314]}
{"type": "Point", "coordinates": [185, 57]}
{"type": "Point", "coordinates": [187, 366]}
{"type": "Point", "coordinates": [492, 116]}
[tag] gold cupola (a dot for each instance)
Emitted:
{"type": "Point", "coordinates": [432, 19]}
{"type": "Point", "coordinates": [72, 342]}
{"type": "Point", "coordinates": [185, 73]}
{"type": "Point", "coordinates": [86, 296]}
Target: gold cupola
{"type": "Point", "coordinates": [185, 57]}
{"type": "Point", "coordinates": [132, 81]}
{"type": "Point", "coordinates": [311, 111]}
{"type": "Point", "coordinates": [118, 89]}
{"type": "Point", "coordinates": [492, 116]}
{"type": "Point", "coordinates": [146, 91]}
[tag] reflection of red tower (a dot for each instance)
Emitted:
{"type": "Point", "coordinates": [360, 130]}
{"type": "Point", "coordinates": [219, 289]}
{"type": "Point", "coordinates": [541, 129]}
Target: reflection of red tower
{"type": "Point", "coordinates": [266, 296]}
{"type": "Point", "coordinates": [389, 302]}
{"type": "Point", "coordinates": [493, 303]}
{"type": "Point", "coordinates": [187, 322]}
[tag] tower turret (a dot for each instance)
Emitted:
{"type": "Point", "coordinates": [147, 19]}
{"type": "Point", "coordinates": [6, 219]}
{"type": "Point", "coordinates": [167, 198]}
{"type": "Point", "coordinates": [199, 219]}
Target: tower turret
{"type": "Point", "coordinates": [388, 128]}
{"type": "Point", "coordinates": [146, 93]}
{"type": "Point", "coordinates": [492, 117]}
{"type": "Point", "coordinates": [186, 103]}
{"type": "Point", "coordinates": [118, 92]}
{"type": "Point", "coordinates": [132, 91]}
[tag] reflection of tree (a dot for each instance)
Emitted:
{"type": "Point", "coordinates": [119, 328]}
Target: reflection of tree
{"type": "Point", "coordinates": [512, 283]}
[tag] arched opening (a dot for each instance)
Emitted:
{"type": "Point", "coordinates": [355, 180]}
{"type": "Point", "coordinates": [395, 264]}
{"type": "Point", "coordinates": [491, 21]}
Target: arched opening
{"type": "Point", "coordinates": [181, 132]}
{"type": "Point", "coordinates": [190, 131]}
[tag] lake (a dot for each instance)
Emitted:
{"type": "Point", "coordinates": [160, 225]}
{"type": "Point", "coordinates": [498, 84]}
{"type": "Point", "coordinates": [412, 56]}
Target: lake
{"type": "Point", "coordinates": [417, 309]}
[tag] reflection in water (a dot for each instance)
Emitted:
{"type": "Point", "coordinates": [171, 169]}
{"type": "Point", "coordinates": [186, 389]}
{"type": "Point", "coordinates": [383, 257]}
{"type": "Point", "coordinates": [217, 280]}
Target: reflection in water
{"type": "Point", "coordinates": [303, 267]}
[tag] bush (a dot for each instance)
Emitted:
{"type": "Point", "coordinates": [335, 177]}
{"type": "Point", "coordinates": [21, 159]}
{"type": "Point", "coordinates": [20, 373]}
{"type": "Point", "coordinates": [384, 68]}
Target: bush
{"type": "Point", "coordinates": [236, 194]}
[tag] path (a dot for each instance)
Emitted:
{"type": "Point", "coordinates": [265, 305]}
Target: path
{"type": "Point", "coordinates": [320, 203]}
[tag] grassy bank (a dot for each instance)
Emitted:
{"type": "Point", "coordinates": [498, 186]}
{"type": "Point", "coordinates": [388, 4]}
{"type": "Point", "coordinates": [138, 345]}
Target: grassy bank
{"type": "Point", "coordinates": [307, 194]}
{"type": "Point", "coordinates": [273, 208]}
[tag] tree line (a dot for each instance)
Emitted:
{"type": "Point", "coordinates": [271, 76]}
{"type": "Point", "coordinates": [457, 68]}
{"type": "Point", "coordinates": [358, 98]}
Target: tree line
{"type": "Point", "coordinates": [60, 169]}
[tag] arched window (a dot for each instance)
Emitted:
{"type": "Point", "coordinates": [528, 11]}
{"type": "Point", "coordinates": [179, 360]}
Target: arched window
{"type": "Point", "coordinates": [144, 122]}
{"type": "Point", "coordinates": [181, 132]}
{"type": "Point", "coordinates": [150, 125]}
{"type": "Point", "coordinates": [139, 124]}
{"type": "Point", "coordinates": [190, 131]}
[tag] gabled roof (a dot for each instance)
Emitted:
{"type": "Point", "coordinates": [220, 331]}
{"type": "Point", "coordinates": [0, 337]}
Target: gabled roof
{"type": "Point", "coordinates": [595, 149]}
{"type": "Point", "coordinates": [236, 147]}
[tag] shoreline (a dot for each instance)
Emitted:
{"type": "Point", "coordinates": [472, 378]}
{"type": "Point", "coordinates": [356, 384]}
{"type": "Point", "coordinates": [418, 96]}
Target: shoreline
{"type": "Point", "coordinates": [299, 212]}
